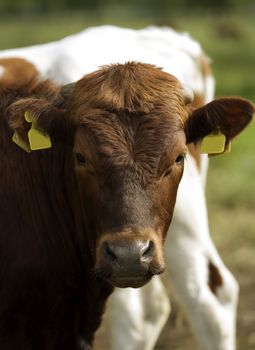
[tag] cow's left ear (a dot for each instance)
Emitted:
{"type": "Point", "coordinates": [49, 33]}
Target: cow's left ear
{"type": "Point", "coordinates": [226, 115]}
{"type": "Point", "coordinates": [34, 121]}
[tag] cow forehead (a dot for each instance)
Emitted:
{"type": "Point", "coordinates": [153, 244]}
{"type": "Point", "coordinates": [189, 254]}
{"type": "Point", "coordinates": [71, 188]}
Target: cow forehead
{"type": "Point", "coordinates": [129, 112]}
{"type": "Point", "coordinates": [126, 127]}
{"type": "Point", "coordinates": [135, 87]}
{"type": "Point", "coordinates": [123, 138]}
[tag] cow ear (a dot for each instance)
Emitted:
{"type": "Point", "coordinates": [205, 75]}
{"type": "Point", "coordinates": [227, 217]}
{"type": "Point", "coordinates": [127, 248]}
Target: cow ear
{"type": "Point", "coordinates": [228, 116]}
{"type": "Point", "coordinates": [33, 121]}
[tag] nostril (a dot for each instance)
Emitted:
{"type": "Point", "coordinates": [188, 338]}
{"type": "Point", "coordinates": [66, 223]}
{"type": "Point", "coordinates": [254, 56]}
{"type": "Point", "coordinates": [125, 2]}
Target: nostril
{"type": "Point", "coordinates": [147, 249]}
{"type": "Point", "coordinates": [108, 252]}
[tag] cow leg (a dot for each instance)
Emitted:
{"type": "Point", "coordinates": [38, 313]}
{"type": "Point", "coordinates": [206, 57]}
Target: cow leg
{"type": "Point", "coordinates": [202, 283]}
{"type": "Point", "coordinates": [212, 316]}
{"type": "Point", "coordinates": [135, 317]}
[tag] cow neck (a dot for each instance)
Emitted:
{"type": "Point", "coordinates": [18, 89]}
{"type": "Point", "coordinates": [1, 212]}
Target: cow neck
{"type": "Point", "coordinates": [95, 292]}
{"type": "Point", "coordinates": [40, 190]}
{"type": "Point", "coordinates": [67, 203]}
{"type": "Point", "coordinates": [43, 225]}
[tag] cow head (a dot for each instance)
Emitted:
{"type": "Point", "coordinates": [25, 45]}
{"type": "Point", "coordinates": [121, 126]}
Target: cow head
{"type": "Point", "coordinates": [130, 124]}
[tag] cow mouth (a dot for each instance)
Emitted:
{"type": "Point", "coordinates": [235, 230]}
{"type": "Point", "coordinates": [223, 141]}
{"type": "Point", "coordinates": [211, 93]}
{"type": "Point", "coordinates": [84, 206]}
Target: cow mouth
{"type": "Point", "coordinates": [130, 281]}
{"type": "Point", "coordinates": [124, 280]}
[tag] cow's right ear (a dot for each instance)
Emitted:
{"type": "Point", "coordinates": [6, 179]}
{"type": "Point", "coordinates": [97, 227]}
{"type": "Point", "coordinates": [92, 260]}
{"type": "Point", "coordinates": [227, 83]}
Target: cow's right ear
{"type": "Point", "coordinates": [228, 116]}
{"type": "Point", "coordinates": [33, 121]}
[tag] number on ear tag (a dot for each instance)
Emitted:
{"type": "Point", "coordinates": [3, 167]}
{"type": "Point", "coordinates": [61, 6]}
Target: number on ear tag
{"type": "Point", "coordinates": [213, 143]}
{"type": "Point", "coordinates": [38, 140]}
{"type": "Point", "coordinates": [22, 144]}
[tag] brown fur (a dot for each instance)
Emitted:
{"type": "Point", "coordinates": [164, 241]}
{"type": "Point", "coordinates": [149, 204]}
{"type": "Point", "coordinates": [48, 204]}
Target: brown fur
{"type": "Point", "coordinates": [222, 115]}
{"type": "Point", "coordinates": [17, 72]}
{"type": "Point", "coordinates": [49, 297]}
{"type": "Point", "coordinates": [137, 88]}
{"type": "Point", "coordinates": [54, 249]}
{"type": "Point", "coordinates": [111, 175]}
{"type": "Point", "coordinates": [215, 280]}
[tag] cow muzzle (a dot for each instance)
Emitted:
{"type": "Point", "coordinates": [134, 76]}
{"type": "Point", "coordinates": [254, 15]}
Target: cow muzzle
{"type": "Point", "coordinates": [127, 261]}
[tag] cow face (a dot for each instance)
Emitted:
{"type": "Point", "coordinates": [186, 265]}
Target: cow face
{"type": "Point", "coordinates": [128, 168]}
{"type": "Point", "coordinates": [130, 125]}
{"type": "Point", "coordinates": [129, 151]}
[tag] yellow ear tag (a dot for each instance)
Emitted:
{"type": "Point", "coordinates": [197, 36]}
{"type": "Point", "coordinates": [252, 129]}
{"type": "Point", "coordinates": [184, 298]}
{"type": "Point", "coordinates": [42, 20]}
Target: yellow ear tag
{"type": "Point", "coordinates": [213, 143]}
{"type": "Point", "coordinates": [28, 117]}
{"type": "Point", "coordinates": [226, 150]}
{"type": "Point", "coordinates": [38, 140]}
{"type": "Point", "coordinates": [22, 144]}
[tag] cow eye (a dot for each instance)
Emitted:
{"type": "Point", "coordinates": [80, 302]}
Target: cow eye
{"type": "Point", "coordinates": [80, 159]}
{"type": "Point", "coordinates": [180, 159]}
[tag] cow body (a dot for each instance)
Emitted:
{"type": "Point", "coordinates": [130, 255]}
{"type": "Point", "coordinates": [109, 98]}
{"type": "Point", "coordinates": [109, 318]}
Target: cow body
{"type": "Point", "coordinates": [45, 289]}
{"type": "Point", "coordinates": [69, 59]}
{"type": "Point", "coordinates": [60, 259]}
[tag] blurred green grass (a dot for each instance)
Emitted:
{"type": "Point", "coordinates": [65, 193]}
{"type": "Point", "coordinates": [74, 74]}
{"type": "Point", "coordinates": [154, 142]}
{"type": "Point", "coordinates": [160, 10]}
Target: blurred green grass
{"type": "Point", "coordinates": [229, 41]}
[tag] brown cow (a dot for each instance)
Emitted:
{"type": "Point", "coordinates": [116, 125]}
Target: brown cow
{"type": "Point", "coordinates": [91, 212]}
